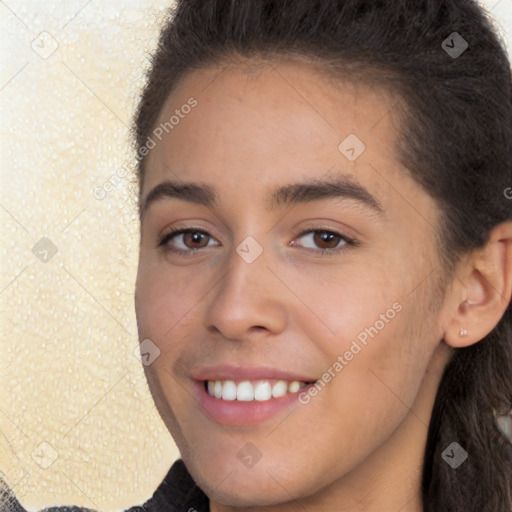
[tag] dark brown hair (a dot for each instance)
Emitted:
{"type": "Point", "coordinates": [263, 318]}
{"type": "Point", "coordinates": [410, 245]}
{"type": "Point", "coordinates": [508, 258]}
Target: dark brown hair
{"type": "Point", "coordinates": [455, 141]}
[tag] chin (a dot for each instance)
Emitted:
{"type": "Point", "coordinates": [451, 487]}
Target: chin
{"type": "Point", "coordinates": [232, 484]}
{"type": "Point", "coordinates": [242, 490]}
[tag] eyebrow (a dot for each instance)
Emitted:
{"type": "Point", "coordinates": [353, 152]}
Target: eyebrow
{"type": "Point", "coordinates": [281, 197]}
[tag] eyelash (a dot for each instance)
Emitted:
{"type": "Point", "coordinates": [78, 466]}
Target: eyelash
{"type": "Point", "coordinates": [349, 242]}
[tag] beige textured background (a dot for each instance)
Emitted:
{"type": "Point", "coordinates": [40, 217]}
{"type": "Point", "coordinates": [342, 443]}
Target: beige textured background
{"type": "Point", "coordinates": [77, 423]}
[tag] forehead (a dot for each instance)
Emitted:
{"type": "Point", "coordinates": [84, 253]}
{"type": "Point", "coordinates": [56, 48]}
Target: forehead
{"type": "Point", "coordinates": [287, 114]}
{"type": "Point", "coordinates": [266, 91]}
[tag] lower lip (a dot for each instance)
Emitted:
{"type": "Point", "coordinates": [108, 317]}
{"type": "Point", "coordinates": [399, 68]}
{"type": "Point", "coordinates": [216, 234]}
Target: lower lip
{"type": "Point", "coordinates": [237, 413]}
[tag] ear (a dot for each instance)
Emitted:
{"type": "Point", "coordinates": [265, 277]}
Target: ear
{"type": "Point", "coordinates": [481, 291]}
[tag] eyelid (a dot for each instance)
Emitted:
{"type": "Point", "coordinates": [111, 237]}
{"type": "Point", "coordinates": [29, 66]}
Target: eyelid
{"type": "Point", "coordinates": [350, 241]}
{"type": "Point", "coordinates": [179, 230]}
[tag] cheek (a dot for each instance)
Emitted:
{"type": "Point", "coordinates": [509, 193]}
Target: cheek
{"type": "Point", "coordinates": [343, 302]}
{"type": "Point", "coordinates": [370, 319]}
{"type": "Point", "coordinates": [164, 300]}
{"type": "Point", "coordinates": [383, 379]}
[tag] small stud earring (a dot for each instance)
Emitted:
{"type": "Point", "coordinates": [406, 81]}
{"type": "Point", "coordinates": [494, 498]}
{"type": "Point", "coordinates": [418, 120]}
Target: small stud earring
{"type": "Point", "coordinates": [463, 332]}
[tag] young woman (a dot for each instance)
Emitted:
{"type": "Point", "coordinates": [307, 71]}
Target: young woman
{"type": "Point", "coordinates": [325, 269]}
{"type": "Point", "coordinates": [326, 253]}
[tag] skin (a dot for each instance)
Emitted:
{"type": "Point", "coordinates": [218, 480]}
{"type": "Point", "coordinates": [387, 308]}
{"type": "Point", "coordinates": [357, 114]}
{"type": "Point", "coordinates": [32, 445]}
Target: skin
{"type": "Point", "coordinates": [358, 445]}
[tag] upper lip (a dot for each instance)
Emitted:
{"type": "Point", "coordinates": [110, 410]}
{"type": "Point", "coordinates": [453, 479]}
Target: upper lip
{"type": "Point", "coordinates": [232, 372]}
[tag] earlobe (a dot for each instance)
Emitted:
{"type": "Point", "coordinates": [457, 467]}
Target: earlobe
{"type": "Point", "coordinates": [481, 292]}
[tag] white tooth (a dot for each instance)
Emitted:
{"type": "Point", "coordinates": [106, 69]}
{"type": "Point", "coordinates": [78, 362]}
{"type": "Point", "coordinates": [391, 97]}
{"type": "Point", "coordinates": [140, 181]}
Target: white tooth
{"type": "Point", "coordinates": [217, 389]}
{"type": "Point", "coordinates": [294, 386]}
{"type": "Point", "coordinates": [263, 391]}
{"type": "Point", "coordinates": [245, 391]}
{"type": "Point", "coordinates": [211, 388]}
{"type": "Point", "coordinates": [229, 390]}
{"type": "Point", "coordinates": [279, 389]}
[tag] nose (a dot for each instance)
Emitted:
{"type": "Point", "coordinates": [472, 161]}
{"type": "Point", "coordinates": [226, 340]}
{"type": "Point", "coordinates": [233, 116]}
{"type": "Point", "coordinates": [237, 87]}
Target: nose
{"type": "Point", "coordinates": [246, 300]}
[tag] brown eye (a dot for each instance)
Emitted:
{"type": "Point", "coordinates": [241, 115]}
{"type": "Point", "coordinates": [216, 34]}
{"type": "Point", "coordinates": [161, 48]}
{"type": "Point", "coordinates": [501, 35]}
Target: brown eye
{"type": "Point", "coordinates": [195, 239]}
{"type": "Point", "coordinates": [326, 239]}
{"type": "Point", "coordinates": [185, 240]}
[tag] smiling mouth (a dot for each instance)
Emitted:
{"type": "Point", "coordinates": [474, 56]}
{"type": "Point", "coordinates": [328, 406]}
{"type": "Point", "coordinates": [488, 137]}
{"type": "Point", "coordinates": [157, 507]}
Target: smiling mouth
{"type": "Point", "coordinates": [252, 390]}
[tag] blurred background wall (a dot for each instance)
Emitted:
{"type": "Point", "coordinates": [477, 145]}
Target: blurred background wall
{"type": "Point", "coordinates": [77, 422]}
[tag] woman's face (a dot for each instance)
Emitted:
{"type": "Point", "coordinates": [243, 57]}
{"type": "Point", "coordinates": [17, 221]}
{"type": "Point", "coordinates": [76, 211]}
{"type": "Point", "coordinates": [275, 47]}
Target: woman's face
{"type": "Point", "coordinates": [311, 258]}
